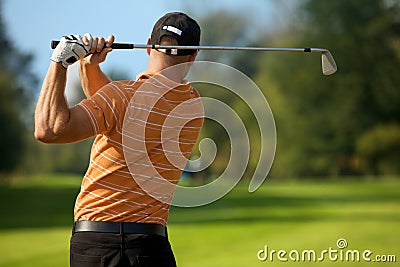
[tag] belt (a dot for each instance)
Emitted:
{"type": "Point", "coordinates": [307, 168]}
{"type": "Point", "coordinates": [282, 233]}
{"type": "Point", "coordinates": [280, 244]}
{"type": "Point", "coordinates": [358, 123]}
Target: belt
{"type": "Point", "coordinates": [120, 227]}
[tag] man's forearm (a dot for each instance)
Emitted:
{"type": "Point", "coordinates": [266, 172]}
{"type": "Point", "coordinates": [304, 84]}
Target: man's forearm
{"type": "Point", "coordinates": [92, 78]}
{"type": "Point", "coordinates": [52, 112]}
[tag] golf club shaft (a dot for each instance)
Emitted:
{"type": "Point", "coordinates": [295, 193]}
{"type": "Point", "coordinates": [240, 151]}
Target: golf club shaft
{"type": "Point", "coordinates": [241, 48]}
{"type": "Point", "coordinates": [328, 63]}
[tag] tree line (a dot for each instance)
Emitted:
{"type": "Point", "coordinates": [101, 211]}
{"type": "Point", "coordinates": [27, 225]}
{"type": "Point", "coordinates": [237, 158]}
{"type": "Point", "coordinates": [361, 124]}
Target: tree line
{"type": "Point", "coordinates": [339, 125]}
{"type": "Point", "coordinates": [344, 124]}
{"type": "Point", "coordinates": [347, 123]}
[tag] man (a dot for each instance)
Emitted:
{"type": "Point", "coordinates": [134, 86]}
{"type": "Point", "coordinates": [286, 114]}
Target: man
{"type": "Point", "coordinates": [120, 216]}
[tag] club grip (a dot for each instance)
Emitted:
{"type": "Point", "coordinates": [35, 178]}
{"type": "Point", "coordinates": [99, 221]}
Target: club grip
{"type": "Point", "coordinates": [113, 46]}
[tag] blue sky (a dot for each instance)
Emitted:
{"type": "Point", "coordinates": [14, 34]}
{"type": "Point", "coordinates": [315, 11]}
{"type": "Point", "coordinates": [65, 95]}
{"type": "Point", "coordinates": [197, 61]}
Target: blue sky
{"type": "Point", "coordinates": [33, 24]}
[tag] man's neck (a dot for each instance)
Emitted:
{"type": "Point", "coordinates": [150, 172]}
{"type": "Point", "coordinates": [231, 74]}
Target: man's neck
{"type": "Point", "coordinates": [166, 71]}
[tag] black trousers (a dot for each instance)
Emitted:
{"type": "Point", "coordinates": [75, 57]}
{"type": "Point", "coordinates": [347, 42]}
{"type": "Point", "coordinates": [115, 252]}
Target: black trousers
{"type": "Point", "coordinates": [89, 249]}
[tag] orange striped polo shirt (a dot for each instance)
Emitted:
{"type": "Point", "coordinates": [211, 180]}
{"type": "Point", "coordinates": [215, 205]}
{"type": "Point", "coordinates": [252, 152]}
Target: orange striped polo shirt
{"type": "Point", "coordinates": [145, 131]}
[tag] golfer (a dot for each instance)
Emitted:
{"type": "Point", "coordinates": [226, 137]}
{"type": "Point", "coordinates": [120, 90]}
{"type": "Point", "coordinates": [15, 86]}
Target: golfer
{"type": "Point", "coordinates": [118, 220]}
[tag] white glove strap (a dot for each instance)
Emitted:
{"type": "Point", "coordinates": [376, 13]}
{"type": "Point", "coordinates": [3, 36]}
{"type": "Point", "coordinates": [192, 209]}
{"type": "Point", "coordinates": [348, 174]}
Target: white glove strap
{"type": "Point", "coordinates": [71, 49]}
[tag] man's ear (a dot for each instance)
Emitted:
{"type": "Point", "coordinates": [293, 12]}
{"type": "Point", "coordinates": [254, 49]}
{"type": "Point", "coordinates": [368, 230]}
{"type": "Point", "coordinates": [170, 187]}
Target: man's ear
{"type": "Point", "coordinates": [192, 57]}
{"type": "Point", "coordinates": [148, 49]}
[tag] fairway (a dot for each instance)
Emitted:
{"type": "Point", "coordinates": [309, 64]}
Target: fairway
{"type": "Point", "coordinates": [297, 215]}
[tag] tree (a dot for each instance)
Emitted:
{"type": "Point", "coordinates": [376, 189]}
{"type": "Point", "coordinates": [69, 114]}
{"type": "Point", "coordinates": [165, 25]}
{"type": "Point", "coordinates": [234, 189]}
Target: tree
{"type": "Point", "coordinates": [16, 81]}
{"type": "Point", "coordinates": [12, 133]}
{"type": "Point", "coordinates": [379, 149]}
{"type": "Point", "coordinates": [225, 29]}
{"type": "Point", "coordinates": [320, 118]}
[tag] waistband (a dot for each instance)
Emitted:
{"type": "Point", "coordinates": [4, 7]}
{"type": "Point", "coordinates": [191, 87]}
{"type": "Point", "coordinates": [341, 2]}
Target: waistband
{"type": "Point", "coordinates": [120, 228]}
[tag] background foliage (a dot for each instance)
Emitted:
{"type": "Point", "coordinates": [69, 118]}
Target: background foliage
{"type": "Point", "coordinates": [345, 124]}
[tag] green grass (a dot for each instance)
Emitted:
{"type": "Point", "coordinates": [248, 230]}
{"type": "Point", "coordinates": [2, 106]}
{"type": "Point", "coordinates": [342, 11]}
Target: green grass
{"type": "Point", "coordinates": [36, 222]}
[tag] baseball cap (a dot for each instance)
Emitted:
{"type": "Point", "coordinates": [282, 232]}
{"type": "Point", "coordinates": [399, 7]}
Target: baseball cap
{"type": "Point", "coordinates": [179, 26]}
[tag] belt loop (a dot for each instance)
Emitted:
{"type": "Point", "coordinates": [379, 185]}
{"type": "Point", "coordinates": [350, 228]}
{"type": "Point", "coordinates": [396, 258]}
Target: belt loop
{"type": "Point", "coordinates": [121, 228]}
{"type": "Point", "coordinates": [121, 244]}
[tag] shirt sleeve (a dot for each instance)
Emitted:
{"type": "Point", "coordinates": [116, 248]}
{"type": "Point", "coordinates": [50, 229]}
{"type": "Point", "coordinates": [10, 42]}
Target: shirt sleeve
{"type": "Point", "coordinates": [101, 109]}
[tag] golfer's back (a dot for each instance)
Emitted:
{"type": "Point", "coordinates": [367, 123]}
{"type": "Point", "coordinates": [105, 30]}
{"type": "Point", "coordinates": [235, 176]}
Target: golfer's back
{"type": "Point", "coordinates": [146, 130]}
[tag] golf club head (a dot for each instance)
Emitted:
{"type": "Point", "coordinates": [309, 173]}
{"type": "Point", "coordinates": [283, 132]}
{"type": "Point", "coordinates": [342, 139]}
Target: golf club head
{"type": "Point", "coordinates": [328, 63]}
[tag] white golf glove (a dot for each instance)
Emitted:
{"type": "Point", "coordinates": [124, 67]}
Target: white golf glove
{"type": "Point", "coordinates": [71, 49]}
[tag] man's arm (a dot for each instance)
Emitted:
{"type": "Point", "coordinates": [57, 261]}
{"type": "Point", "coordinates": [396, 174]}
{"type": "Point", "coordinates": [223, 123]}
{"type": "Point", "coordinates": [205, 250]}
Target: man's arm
{"type": "Point", "coordinates": [92, 77]}
{"type": "Point", "coordinates": [54, 121]}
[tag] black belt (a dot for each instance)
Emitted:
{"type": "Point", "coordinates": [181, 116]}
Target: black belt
{"type": "Point", "coordinates": [120, 227]}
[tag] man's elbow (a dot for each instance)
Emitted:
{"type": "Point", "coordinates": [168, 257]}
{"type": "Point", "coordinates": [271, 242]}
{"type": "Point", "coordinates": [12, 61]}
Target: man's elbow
{"type": "Point", "coordinates": [43, 135]}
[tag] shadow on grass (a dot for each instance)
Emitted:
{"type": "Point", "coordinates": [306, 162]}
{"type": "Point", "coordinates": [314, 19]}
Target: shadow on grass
{"type": "Point", "coordinates": [272, 207]}
{"type": "Point", "coordinates": [44, 207]}
{"type": "Point", "coordinates": [36, 207]}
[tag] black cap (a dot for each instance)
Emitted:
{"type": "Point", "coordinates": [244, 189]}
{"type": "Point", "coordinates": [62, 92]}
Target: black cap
{"type": "Point", "coordinates": [179, 26]}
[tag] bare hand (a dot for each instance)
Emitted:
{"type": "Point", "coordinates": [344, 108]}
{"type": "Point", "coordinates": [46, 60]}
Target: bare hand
{"type": "Point", "coordinates": [99, 49]}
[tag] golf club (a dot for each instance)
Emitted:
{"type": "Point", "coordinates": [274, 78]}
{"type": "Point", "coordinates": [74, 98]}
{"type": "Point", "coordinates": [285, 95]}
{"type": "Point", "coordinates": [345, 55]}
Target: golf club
{"type": "Point", "coordinates": [328, 63]}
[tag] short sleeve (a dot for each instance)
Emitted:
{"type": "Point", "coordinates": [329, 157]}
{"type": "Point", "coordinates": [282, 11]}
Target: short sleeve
{"type": "Point", "coordinates": [102, 109]}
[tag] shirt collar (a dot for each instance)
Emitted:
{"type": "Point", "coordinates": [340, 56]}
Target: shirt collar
{"type": "Point", "coordinates": [148, 74]}
{"type": "Point", "coordinates": [145, 74]}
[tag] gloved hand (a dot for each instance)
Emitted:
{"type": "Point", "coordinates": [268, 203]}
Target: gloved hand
{"type": "Point", "coordinates": [71, 49]}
